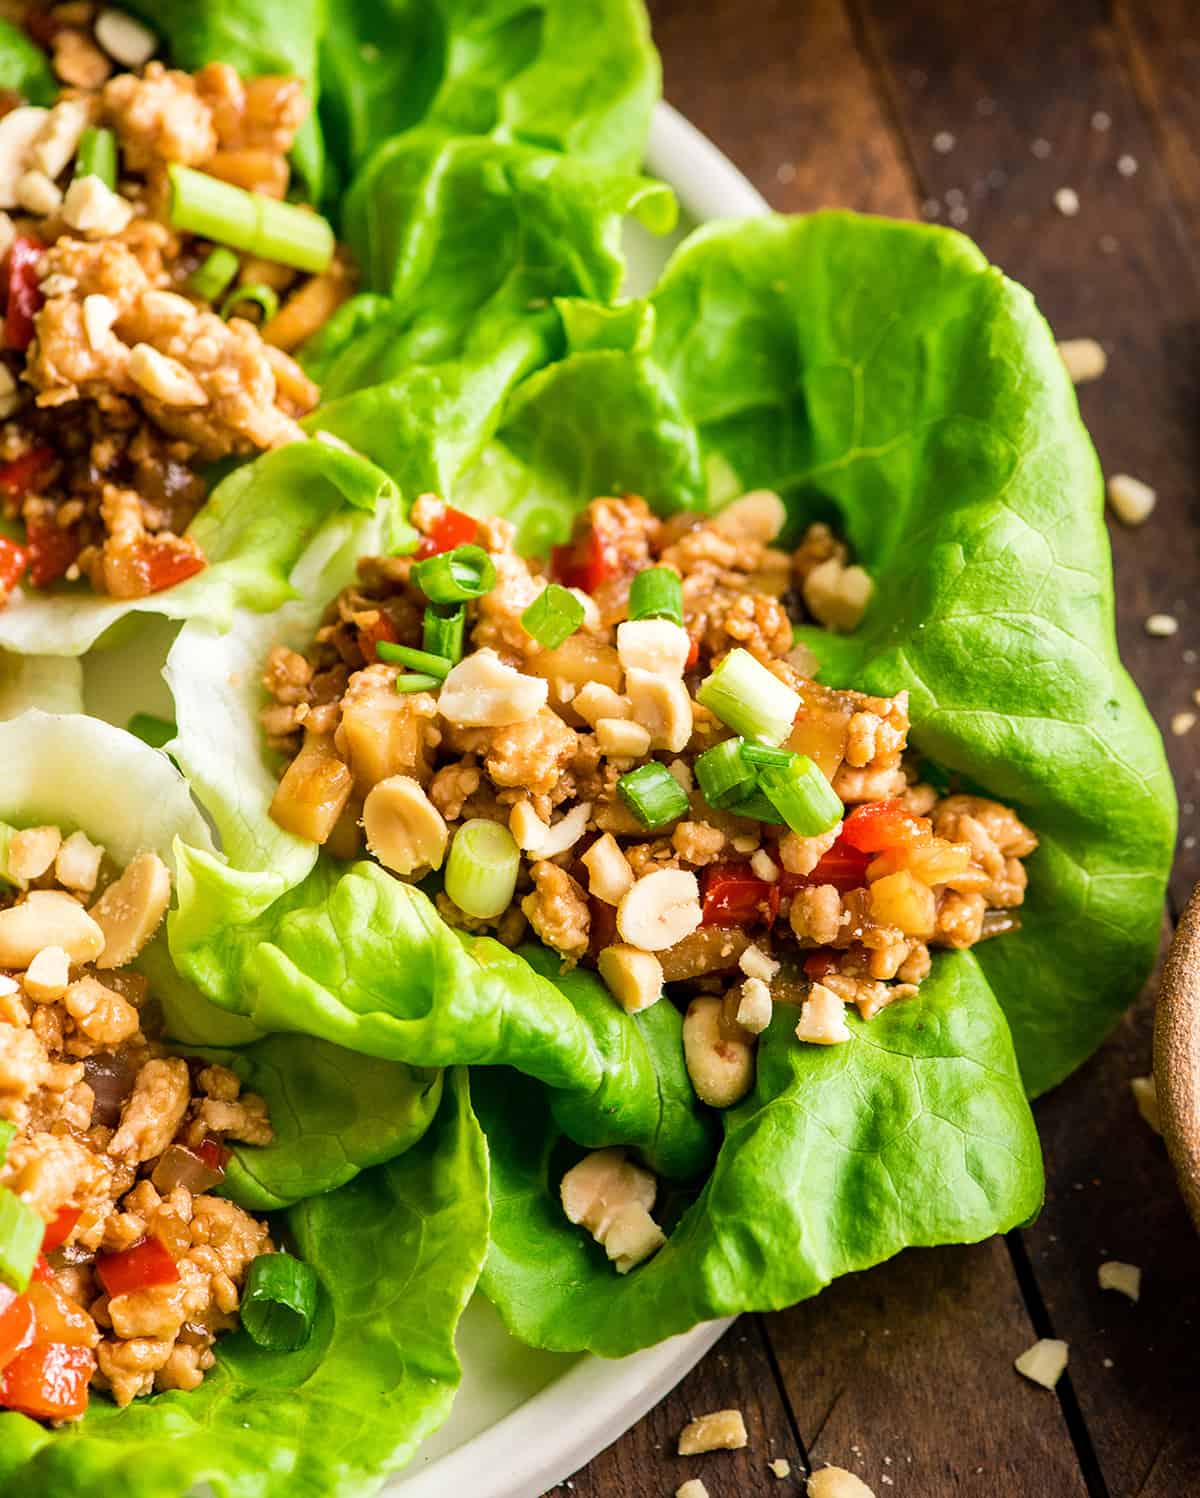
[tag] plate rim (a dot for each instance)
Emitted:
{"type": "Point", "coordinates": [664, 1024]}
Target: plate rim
{"type": "Point", "coordinates": [708, 186]}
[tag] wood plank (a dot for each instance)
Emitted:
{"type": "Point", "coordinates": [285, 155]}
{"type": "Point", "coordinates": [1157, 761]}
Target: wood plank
{"type": "Point", "coordinates": [1004, 81]}
{"type": "Point", "coordinates": [905, 1373]}
{"type": "Point", "coordinates": [1162, 43]}
{"type": "Point", "coordinates": [1135, 1368]}
{"type": "Point", "coordinates": [783, 90]}
{"type": "Point", "coordinates": [735, 1375]}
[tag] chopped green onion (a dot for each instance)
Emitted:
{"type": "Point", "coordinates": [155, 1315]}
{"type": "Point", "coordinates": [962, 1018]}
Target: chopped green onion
{"type": "Point", "coordinates": [417, 681]}
{"type": "Point", "coordinates": [442, 632]}
{"type": "Point", "coordinates": [454, 576]}
{"type": "Point", "coordinates": [279, 1302]}
{"type": "Point", "coordinates": [249, 221]}
{"type": "Point", "coordinates": [764, 756]}
{"type": "Point", "coordinates": [263, 297]}
{"type": "Point", "coordinates": [7, 1130]}
{"type": "Point", "coordinates": [653, 795]}
{"type": "Point", "coordinates": [21, 1232]}
{"type": "Point", "coordinates": [157, 732]}
{"type": "Point", "coordinates": [749, 699]}
{"type": "Point", "coordinates": [97, 156]}
{"type": "Point", "coordinates": [416, 660]}
{"type": "Point", "coordinates": [481, 872]}
{"type": "Point", "coordinates": [802, 797]}
{"type": "Point", "coordinates": [657, 593]}
{"type": "Point", "coordinates": [723, 775]}
{"type": "Point", "coordinates": [211, 278]}
{"type": "Point", "coordinates": [757, 808]}
{"type": "Point", "coordinates": [553, 616]}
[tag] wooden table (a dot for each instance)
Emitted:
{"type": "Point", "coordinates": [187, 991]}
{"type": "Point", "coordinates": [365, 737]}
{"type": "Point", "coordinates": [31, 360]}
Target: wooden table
{"type": "Point", "coordinates": [976, 112]}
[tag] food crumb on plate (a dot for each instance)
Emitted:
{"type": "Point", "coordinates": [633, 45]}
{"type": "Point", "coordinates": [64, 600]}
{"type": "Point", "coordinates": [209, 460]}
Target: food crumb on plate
{"type": "Point", "coordinates": [1162, 626]}
{"type": "Point", "coordinates": [692, 1488]}
{"type": "Point", "coordinates": [1124, 1278]}
{"type": "Point", "coordinates": [781, 1467]}
{"type": "Point", "coordinates": [1182, 723]}
{"type": "Point", "coordinates": [1066, 200]}
{"type": "Point", "coordinates": [1044, 1363]}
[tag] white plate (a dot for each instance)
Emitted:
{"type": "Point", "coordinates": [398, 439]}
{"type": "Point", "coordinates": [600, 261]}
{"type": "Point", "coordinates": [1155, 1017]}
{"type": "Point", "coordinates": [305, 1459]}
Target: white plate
{"type": "Point", "coordinates": [523, 1420]}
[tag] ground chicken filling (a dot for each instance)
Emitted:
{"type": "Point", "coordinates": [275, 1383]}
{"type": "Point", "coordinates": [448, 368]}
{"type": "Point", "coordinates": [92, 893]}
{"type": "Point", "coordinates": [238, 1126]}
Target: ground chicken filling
{"type": "Point", "coordinates": [133, 353]}
{"type": "Point", "coordinates": [580, 766]}
{"type": "Point", "coordinates": [113, 1141]}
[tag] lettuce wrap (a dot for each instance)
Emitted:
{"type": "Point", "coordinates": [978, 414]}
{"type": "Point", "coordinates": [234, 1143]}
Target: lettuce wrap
{"type": "Point", "coordinates": [883, 376]}
{"type": "Point", "coordinates": [381, 1169]}
{"type": "Point", "coordinates": [484, 218]}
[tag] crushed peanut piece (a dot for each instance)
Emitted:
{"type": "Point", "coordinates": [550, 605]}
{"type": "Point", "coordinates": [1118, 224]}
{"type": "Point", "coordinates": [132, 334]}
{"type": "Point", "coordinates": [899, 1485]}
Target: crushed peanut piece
{"type": "Point", "coordinates": [1044, 1363]}
{"type": "Point", "coordinates": [1145, 1095]}
{"type": "Point", "coordinates": [1162, 626]}
{"type": "Point", "coordinates": [1126, 1279]}
{"type": "Point", "coordinates": [836, 1482]}
{"type": "Point", "coordinates": [723, 1430]}
{"type": "Point", "coordinates": [1182, 723]}
{"type": "Point", "coordinates": [1130, 498]}
{"type": "Point", "coordinates": [1084, 358]}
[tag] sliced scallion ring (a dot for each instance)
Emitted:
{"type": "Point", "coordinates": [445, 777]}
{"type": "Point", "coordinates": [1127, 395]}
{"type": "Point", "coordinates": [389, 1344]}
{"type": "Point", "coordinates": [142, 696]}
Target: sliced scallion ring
{"type": "Point", "coordinates": [765, 756]}
{"type": "Point", "coordinates": [481, 871]}
{"type": "Point", "coordinates": [656, 593]}
{"type": "Point", "coordinates": [442, 632]}
{"type": "Point", "coordinates": [749, 699]}
{"type": "Point", "coordinates": [653, 795]}
{"type": "Point", "coordinates": [213, 274]}
{"type": "Point", "coordinates": [553, 616]}
{"type": "Point", "coordinates": [802, 797]}
{"type": "Point", "coordinates": [264, 297]}
{"type": "Point", "coordinates": [97, 156]}
{"type": "Point", "coordinates": [417, 681]}
{"type": "Point", "coordinates": [723, 775]}
{"type": "Point", "coordinates": [417, 660]}
{"type": "Point", "coordinates": [21, 1232]}
{"type": "Point", "coordinates": [279, 1302]}
{"type": "Point", "coordinates": [248, 221]}
{"type": "Point", "coordinates": [456, 576]}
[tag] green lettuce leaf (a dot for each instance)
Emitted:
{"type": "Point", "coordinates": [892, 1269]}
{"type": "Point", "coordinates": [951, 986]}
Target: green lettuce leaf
{"type": "Point", "coordinates": [398, 1252]}
{"type": "Point", "coordinates": [24, 67]}
{"type": "Point", "coordinates": [255, 527]}
{"type": "Point", "coordinates": [577, 76]}
{"type": "Point", "coordinates": [916, 1132]}
{"type": "Point", "coordinates": [334, 1113]}
{"type": "Point", "coordinates": [362, 960]}
{"type": "Point", "coordinates": [52, 682]}
{"type": "Point", "coordinates": [459, 240]}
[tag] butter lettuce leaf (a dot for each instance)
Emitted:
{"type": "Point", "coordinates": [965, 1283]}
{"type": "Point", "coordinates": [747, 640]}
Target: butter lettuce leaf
{"type": "Point", "coordinates": [398, 1252]}
{"type": "Point", "coordinates": [578, 76]}
{"type": "Point", "coordinates": [915, 1132]}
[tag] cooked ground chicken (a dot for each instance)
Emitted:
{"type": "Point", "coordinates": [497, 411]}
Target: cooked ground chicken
{"type": "Point", "coordinates": [118, 381]}
{"type": "Point", "coordinates": [733, 913]}
{"type": "Point", "coordinates": [117, 1144]}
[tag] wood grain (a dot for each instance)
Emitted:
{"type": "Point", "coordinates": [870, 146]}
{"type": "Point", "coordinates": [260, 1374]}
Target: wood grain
{"type": "Point", "coordinates": [823, 104]}
{"type": "Point", "coordinates": [906, 1373]}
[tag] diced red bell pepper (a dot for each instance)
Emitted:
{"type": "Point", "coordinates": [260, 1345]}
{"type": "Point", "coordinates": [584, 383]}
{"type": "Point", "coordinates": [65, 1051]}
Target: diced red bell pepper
{"type": "Point", "coordinates": [213, 1153]}
{"type": "Point", "coordinates": [379, 629]}
{"type": "Point", "coordinates": [18, 1326]}
{"type": "Point", "coordinates": [20, 476]}
{"type": "Point", "coordinates": [58, 1231]}
{"type": "Point", "coordinates": [43, 1272]}
{"type": "Point", "coordinates": [880, 825]}
{"type": "Point", "coordinates": [693, 654]}
{"type": "Point", "coordinates": [58, 1317]}
{"type": "Point", "coordinates": [52, 548]}
{"type": "Point", "coordinates": [820, 962]}
{"type": "Point", "coordinates": [167, 564]}
{"type": "Point", "coordinates": [147, 1263]}
{"type": "Point", "coordinates": [48, 1381]}
{"type": "Point", "coordinates": [585, 563]}
{"type": "Point", "coordinates": [452, 528]}
{"type": "Point", "coordinates": [735, 896]}
{"type": "Point", "coordinates": [24, 295]}
{"type": "Point", "coordinates": [842, 866]}
{"type": "Point", "coordinates": [13, 561]}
